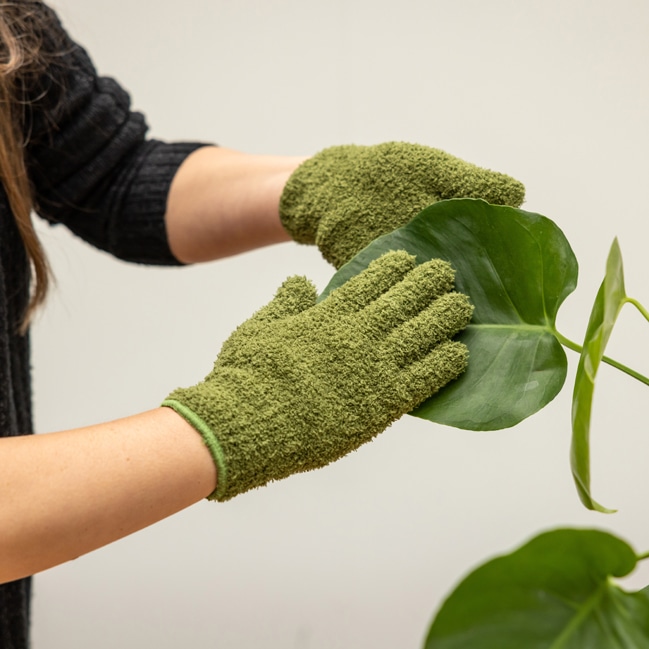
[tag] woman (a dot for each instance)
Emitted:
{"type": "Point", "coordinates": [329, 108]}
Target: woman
{"type": "Point", "coordinates": [73, 151]}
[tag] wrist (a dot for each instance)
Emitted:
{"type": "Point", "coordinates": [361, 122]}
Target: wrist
{"type": "Point", "coordinates": [224, 202]}
{"type": "Point", "coordinates": [210, 440]}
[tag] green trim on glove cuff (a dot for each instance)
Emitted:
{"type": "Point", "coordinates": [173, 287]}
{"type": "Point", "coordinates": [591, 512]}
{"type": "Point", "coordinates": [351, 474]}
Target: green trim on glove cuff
{"type": "Point", "coordinates": [208, 438]}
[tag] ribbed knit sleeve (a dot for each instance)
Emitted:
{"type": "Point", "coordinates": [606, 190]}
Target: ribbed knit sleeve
{"type": "Point", "coordinates": [89, 159]}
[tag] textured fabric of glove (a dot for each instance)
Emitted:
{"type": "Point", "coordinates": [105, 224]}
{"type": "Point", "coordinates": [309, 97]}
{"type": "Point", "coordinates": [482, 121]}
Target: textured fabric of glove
{"type": "Point", "coordinates": [302, 383]}
{"type": "Point", "coordinates": [345, 196]}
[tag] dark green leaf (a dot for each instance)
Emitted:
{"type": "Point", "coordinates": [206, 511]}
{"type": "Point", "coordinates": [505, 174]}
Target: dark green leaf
{"type": "Point", "coordinates": [606, 308]}
{"type": "Point", "coordinates": [517, 267]}
{"type": "Point", "coordinates": [555, 592]}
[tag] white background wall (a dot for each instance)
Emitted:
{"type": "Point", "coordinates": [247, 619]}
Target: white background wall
{"type": "Point", "coordinates": [358, 554]}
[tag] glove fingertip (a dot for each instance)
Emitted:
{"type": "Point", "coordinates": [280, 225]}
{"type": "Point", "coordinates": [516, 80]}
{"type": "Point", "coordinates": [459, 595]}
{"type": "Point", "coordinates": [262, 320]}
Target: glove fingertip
{"type": "Point", "coordinates": [393, 263]}
{"type": "Point", "coordinates": [429, 375]}
{"type": "Point", "coordinates": [380, 275]}
{"type": "Point", "coordinates": [296, 294]}
{"type": "Point", "coordinates": [509, 192]}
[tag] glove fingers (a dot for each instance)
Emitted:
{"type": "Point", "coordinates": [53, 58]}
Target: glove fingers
{"type": "Point", "coordinates": [434, 173]}
{"type": "Point", "coordinates": [295, 295]}
{"type": "Point", "coordinates": [378, 278]}
{"type": "Point", "coordinates": [427, 376]}
{"type": "Point", "coordinates": [409, 297]}
{"type": "Point", "coordinates": [416, 338]}
{"type": "Point", "coordinates": [452, 177]}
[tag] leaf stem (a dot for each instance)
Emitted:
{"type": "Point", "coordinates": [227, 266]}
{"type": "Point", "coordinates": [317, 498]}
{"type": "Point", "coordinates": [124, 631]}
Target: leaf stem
{"type": "Point", "coordinates": [638, 306]}
{"type": "Point", "coordinates": [566, 342]}
{"type": "Point", "coordinates": [627, 370]}
{"type": "Point", "coordinates": [642, 557]}
{"type": "Point", "coordinates": [606, 359]}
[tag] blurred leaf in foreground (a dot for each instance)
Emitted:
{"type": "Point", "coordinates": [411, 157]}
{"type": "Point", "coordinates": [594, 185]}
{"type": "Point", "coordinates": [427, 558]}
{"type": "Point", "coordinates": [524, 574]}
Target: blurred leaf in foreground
{"type": "Point", "coordinates": [555, 592]}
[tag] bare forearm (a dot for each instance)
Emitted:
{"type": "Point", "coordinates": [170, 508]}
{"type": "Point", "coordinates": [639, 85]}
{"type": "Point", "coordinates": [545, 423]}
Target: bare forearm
{"type": "Point", "coordinates": [223, 202]}
{"type": "Point", "coordinates": [65, 494]}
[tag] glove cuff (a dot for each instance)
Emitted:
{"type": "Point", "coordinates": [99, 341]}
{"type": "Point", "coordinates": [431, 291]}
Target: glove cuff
{"type": "Point", "coordinates": [210, 440]}
{"type": "Point", "coordinates": [297, 210]}
{"type": "Point", "coordinates": [228, 413]}
{"type": "Point", "coordinates": [307, 195]}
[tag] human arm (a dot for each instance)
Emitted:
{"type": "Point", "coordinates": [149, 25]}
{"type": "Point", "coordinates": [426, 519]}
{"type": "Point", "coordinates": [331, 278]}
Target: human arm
{"type": "Point", "coordinates": [93, 169]}
{"type": "Point", "coordinates": [67, 493]}
{"type": "Point", "coordinates": [150, 201]}
{"type": "Point", "coordinates": [296, 387]}
{"type": "Point", "coordinates": [222, 202]}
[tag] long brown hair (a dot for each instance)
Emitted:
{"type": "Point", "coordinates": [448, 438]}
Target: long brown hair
{"type": "Point", "coordinates": [20, 58]}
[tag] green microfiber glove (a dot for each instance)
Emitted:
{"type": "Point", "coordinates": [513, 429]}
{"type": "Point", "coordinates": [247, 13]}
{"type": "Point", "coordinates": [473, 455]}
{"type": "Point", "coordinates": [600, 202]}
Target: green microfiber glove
{"type": "Point", "coordinates": [344, 197]}
{"type": "Point", "coordinates": [301, 384]}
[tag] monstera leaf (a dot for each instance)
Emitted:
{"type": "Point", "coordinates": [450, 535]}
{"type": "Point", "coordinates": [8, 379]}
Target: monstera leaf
{"type": "Point", "coordinates": [517, 268]}
{"type": "Point", "coordinates": [556, 591]}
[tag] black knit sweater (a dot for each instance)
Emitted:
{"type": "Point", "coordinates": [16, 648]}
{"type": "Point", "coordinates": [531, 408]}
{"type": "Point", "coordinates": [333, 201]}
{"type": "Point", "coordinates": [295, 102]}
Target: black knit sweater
{"type": "Point", "coordinates": [94, 170]}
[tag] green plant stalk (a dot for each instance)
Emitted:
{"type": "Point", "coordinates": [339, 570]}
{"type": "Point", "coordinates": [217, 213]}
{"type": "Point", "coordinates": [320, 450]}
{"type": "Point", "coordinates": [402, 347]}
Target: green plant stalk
{"type": "Point", "coordinates": [610, 361]}
{"type": "Point", "coordinates": [606, 359]}
{"type": "Point", "coordinates": [638, 306]}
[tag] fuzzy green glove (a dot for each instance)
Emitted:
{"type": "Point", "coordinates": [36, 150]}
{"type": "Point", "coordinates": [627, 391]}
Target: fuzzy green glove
{"type": "Point", "coordinates": [344, 197]}
{"type": "Point", "coordinates": [301, 384]}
